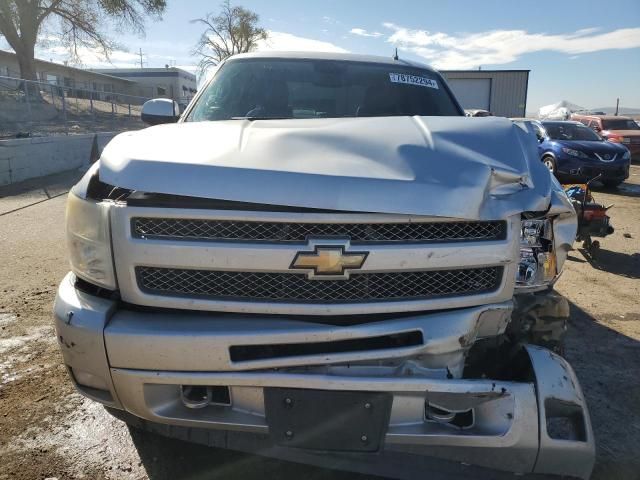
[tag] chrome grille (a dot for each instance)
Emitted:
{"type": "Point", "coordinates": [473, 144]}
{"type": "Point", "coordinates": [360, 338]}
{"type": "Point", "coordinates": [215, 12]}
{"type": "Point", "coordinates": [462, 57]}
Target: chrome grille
{"type": "Point", "coordinates": [204, 229]}
{"type": "Point", "coordinates": [296, 288]}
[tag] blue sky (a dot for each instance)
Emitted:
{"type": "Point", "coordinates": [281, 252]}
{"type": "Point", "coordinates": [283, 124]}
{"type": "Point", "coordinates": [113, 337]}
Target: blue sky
{"type": "Point", "coordinates": [587, 52]}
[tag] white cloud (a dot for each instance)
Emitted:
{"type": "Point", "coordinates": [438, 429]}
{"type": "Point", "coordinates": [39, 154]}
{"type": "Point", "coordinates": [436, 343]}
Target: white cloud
{"type": "Point", "coordinates": [159, 53]}
{"type": "Point", "coordinates": [89, 57]}
{"type": "Point", "coordinates": [331, 20]}
{"type": "Point", "coordinates": [363, 33]}
{"type": "Point", "coordinates": [155, 54]}
{"type": "Point", "coordinates": [497, 47]}
{"type": "Point", "coordinates": [287, 41]}
{"type": "Point", "coordinates": [188, 68]}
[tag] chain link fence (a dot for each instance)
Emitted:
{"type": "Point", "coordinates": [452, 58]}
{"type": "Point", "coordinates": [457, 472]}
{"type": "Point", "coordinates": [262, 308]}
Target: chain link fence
{"type": "Point", "coordinates": [30, 108]}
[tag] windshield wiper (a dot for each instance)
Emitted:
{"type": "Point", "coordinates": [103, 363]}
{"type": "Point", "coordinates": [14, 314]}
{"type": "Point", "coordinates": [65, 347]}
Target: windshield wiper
{"type": "Point", "coordinates": [259, 117]}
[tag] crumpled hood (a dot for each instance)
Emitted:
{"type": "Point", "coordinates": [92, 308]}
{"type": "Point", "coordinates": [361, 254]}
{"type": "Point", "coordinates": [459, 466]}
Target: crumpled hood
{"type": "Point", "coordinates": [470, 168]}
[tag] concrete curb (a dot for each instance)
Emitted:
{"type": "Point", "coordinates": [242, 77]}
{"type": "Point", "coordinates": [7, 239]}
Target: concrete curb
{"type": "Point", "coordinates": [25, 158]}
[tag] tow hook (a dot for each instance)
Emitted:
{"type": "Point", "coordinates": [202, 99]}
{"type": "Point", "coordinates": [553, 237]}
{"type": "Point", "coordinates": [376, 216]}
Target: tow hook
{"type": "Point", "coordinates": [201, 396]}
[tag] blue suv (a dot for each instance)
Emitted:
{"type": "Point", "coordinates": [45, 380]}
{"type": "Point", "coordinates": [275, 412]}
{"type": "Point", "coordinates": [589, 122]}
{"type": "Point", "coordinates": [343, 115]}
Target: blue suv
{"type": "Point", "coordinates": [575, 153]}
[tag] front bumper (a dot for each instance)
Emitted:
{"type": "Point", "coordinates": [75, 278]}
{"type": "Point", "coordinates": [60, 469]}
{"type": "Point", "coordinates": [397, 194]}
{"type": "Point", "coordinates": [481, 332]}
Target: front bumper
{"type": "Point", "coordinates": [137, 362]}
{"type": "Point", "coordinates": [586, 170]}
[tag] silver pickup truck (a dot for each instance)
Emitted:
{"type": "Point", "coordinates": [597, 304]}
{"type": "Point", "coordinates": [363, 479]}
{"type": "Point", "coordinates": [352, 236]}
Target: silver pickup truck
{"type": "Point", "coordinates": [322, 259]}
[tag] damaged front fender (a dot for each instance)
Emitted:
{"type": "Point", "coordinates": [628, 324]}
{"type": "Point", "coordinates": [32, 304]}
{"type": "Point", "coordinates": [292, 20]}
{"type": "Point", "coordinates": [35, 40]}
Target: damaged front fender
{"type": "Point", "coordinates": [565, 223]}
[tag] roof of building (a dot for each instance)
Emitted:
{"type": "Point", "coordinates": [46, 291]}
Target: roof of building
{"type": "Point", "coordinates": [145, 72]}
{"type": "Point", "coordinates": [61, 65]}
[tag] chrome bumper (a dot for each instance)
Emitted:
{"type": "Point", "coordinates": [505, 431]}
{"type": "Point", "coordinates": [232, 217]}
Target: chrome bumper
{"type": "Point", "coordinates": [138, 361]}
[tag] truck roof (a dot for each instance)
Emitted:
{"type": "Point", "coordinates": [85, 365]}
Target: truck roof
{"type": "Point", "coordinates": [351, 57]}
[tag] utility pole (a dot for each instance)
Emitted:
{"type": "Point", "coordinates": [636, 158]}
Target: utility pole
{"type": "Point", "coordinates": [141, 66]}
{"type": "Point", "coordinates": [617, 105]}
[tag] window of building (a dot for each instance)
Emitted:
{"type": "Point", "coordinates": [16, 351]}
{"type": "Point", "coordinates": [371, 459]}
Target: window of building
{"type": "Point", "coordinates": [162, 91]}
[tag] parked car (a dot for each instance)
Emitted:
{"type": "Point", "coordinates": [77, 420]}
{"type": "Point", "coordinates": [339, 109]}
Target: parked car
{"type": "Point", "coordinates": [575, 153]}
{"type": "Point", "coordinates": [614, 128]}
{"type": "Point", "coordinates": [478, 113]}
{"type": "Point", "coordinates": [324, 255]}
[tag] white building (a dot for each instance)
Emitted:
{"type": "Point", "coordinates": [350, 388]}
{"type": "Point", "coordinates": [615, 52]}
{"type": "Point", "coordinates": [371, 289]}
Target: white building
{"type": "Point", "coordinates": [168, 82]}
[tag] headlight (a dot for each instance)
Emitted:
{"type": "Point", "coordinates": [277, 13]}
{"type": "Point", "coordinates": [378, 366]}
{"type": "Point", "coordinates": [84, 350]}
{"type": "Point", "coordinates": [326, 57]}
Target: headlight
{"type": "Point", "coordinates": [537, 266]}
{"type": "Point", "coordinates": [88, 241]}
{"type": "Point", "coordinates": [574, 153]}
{"type": "Point", "coordinates": [627, 155]}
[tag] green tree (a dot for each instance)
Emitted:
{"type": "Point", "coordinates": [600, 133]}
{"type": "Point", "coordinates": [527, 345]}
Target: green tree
{"type": "Point", "coordinates": [76, 23]}
{"type": "Point", "coordinates": [233, 30]}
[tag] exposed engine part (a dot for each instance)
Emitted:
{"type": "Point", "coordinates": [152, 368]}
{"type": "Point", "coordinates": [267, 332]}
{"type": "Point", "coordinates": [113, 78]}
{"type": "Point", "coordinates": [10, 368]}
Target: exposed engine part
{"type": "Point", "coordinates": [540, 319]}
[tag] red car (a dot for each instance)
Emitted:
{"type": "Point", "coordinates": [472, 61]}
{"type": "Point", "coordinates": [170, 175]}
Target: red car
{"type": "Point", "coordinates": [614, 128]}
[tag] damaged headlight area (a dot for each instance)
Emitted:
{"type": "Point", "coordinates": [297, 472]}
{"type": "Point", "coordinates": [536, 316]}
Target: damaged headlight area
{"type": "Point", "coordinates": [89, 242]}
{"type": "Point", "coordinates": [538, 264]}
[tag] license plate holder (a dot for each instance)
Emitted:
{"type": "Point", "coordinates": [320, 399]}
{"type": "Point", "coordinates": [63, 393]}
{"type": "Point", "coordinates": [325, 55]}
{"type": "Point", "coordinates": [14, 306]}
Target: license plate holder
{"type": "Point", "coordinates": [327, 420]}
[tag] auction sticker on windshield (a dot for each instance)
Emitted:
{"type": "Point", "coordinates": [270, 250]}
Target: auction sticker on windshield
{"type": "Point", "coordinates": [413, 80]}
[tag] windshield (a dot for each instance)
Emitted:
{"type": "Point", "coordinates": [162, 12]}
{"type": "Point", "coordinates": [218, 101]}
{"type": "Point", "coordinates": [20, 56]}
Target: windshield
{"type": "Point", "coordinates": [620, 124]}
{"type": "Point", "coordinates": [570, 131]}
{"type": "Point", "coordinates": [305, 88]}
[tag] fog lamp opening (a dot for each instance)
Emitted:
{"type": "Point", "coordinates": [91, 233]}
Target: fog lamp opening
{"type": "Point", "coordinates": [460, 419]}
{"type": "Point", "coordinates": [565, 421]}
{"type": "Point", "coordinates": [201, 396]}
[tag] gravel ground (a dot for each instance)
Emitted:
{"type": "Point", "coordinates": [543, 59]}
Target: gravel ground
{"type": "Point", "coordinates": [47, 430]}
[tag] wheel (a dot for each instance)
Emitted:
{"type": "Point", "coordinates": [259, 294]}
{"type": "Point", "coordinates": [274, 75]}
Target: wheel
{"type": "Point", "coordinates": [550, 163]}
{"type": "Point", "coordinates": [611, 183]}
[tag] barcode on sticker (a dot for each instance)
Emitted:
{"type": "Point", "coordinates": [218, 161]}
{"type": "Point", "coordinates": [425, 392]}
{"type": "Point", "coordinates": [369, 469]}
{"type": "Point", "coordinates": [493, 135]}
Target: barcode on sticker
{"type": "Point", "coordinates": [413, 80]}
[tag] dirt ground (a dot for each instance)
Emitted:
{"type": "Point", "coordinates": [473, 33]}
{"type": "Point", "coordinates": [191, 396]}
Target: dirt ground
{"type": "Point", "coordinates": [49, 431]}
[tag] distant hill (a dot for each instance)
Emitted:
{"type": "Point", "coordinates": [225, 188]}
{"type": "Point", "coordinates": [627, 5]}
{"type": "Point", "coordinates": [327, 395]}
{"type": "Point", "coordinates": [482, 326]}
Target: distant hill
{"type": "Point", "coordinates": [629, 111]}
{"type": "Point", "coordinates": [621, 111]}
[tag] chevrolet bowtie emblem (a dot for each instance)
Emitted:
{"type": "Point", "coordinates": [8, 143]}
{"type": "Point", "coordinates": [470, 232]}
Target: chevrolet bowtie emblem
{"type": "Point", "coordinates": [328, 261]}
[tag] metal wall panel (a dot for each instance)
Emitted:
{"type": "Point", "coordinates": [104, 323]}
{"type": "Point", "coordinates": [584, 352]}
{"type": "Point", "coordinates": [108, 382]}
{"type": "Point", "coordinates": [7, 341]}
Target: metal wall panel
{"type": "Point", "coordinates": [508, 89]}
{"type": "Point", "coordinates": [472, 92]}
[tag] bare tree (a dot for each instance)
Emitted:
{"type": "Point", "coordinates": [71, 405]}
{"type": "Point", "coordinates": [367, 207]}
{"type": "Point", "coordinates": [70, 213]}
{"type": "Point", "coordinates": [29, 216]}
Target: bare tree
{"type": "Point", "coordinates": [76, 23]}
{"type": "Point", "coordinates": [233, 30]}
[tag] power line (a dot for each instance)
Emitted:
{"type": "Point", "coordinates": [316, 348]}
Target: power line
{"type": "Point", "coordinates": [140, 54]}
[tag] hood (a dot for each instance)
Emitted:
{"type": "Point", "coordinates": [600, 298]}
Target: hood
{"type": "Point", "coordinates": [469, 168]}
{"type": "Point", "coordinates": [595, 146]}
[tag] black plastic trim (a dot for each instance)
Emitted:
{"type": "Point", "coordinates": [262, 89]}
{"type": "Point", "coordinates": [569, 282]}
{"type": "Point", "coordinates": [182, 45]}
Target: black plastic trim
{"type": "Point", "coordinates": [247, 353]}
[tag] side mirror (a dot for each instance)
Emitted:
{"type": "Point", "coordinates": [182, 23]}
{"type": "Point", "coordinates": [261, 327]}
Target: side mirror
{"type": "Point", "coordinates": [160, 110]}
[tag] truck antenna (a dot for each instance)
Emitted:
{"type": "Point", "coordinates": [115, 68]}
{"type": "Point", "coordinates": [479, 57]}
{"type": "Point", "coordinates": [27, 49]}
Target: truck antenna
{"type": "Point", "coordinates": [395, 55]}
